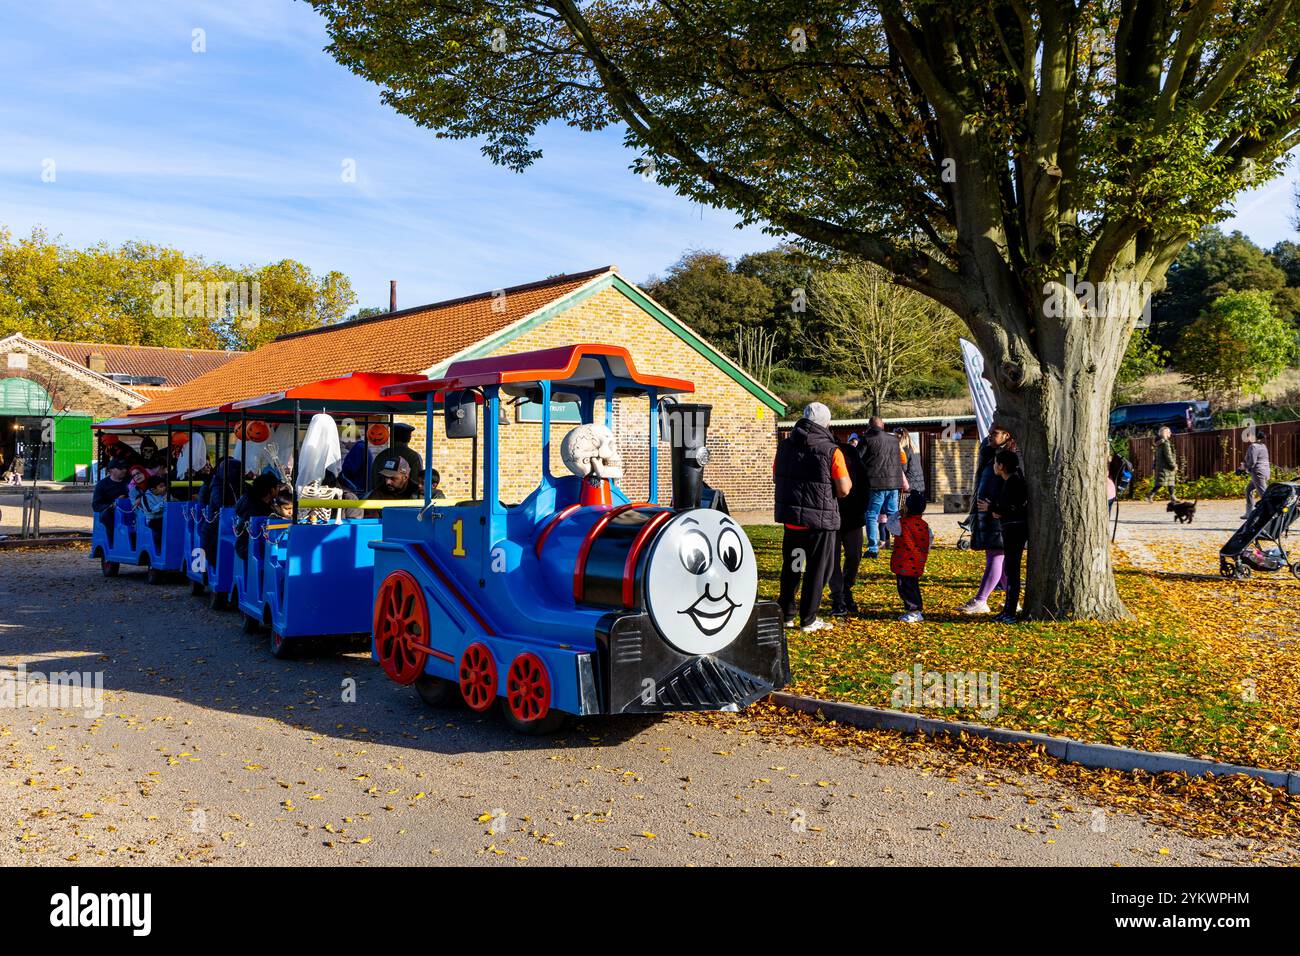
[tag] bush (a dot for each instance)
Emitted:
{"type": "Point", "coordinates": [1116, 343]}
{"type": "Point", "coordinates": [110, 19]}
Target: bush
{"type": "Point", "coordinates": [1283, 409]}
{"type": "Point", "coordinates": [941, 382]}
{"type": "Point", "coordinates": [1225, 484]}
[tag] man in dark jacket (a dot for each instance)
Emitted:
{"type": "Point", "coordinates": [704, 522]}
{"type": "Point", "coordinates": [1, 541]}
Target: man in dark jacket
{"type": "Point", "coordinates": [395, 480]}
{"type": "Point", "coordinates": [882, 461]}
{"type": "Point", "coordinates": [107, 490]}
{"type": "Point", "coordinates": [811, 476]}
{"type": "Point", "coordinates": [848, 540]}
{"type": "Point", "coordinates": [222, 491]}
{"type": "Point", "coordinates": [401, 448]}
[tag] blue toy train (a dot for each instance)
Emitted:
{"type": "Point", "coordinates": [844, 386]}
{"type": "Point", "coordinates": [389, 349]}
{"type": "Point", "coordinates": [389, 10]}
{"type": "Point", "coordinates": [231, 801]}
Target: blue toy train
{"type": "Point", "coordinates": [575, 600]}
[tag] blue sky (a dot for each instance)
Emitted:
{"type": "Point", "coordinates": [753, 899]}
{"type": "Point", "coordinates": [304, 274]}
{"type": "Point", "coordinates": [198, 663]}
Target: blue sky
{"type": "Point", "coordinates": [237, 154]}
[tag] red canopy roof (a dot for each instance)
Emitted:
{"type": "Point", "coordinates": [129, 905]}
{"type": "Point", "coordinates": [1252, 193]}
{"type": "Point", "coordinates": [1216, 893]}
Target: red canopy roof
{"type": "Point", "coordinates": [573, 365]}
{"type": "Point", "coordinates": [131, 423]}
{"type": "Point", "coordinates": [356, 391]}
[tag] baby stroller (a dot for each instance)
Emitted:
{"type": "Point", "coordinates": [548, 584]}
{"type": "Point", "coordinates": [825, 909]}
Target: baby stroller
{"type": "Point", "coordinates": [1269, 522]}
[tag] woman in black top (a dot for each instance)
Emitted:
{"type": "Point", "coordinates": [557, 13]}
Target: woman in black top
{"type": "Point", "coordinates": [1011, 509]}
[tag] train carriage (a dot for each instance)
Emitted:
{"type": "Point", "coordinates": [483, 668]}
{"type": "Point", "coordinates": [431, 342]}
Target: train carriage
{"type": "Point", "coordinates": [127, 537]}
{"type": "Point", "coordinates": [577, 599]}
{"type": "Point", "coordinates": [208, 527]}
{"type": "Point", "coordinates": [309, 580]}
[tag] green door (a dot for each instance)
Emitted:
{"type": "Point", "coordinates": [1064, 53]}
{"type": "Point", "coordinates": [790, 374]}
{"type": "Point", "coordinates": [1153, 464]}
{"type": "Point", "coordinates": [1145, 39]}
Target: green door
{"type": "Point", "coordinates": [73, 446]}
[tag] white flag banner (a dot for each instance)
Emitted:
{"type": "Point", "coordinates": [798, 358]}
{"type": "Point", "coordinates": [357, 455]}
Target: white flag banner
{"type": "Point", "coordinates": [981, 392]}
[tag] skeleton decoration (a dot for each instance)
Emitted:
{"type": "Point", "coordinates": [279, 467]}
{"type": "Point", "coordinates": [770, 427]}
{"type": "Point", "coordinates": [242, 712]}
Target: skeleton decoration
{"type": "Point", "coordinates": [589, 452]}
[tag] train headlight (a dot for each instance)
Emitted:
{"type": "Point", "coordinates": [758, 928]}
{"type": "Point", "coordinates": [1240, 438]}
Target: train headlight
{"type": "Point", "coordinates": [701, 581]}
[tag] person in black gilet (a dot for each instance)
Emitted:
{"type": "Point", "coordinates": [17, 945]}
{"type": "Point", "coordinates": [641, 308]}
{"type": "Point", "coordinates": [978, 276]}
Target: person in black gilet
{"type": "Point", "coordinates": [811, 476]}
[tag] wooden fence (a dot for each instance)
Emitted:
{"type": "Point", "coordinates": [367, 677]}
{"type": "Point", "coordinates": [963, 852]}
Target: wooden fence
{"type": "Point", "coordinates": [1201, 454]}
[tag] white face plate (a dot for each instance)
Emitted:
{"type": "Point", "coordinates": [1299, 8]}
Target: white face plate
{"type": "Point", "coordinates": [701, 581]}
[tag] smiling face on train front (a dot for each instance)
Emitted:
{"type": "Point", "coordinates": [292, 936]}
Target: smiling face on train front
{"type": "Point", "coordinates": [701, 581]}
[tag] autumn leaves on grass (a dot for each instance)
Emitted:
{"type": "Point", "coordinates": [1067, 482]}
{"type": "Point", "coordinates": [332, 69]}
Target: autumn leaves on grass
{"type": "Point", "coordinates": [1207, 667]}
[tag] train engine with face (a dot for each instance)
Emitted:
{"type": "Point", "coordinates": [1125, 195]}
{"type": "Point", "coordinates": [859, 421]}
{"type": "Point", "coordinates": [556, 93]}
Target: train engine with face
{"type": "Point", "coordinates": [577, 600]}
{"type": "Point", "coordinates": [682, 627]}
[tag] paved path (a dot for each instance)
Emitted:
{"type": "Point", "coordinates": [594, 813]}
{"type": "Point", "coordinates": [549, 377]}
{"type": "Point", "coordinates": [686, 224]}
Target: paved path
{"type": "Point", "coordinates": [1150, 538]}
{"type": "Point", "coordinates": [60, 511]}
{"type": "Point", "coordinates": [210, 750]}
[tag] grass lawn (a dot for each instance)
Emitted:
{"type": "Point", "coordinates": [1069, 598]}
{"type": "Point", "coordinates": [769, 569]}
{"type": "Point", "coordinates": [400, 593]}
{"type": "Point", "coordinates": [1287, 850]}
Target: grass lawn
{"type": "Point", "coordinates": [1208, 667]}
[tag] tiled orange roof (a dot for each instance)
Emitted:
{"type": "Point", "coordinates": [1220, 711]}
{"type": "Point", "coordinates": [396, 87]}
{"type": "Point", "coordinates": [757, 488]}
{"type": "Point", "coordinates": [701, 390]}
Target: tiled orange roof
{"type": "Point", "coordinates": [408, 341]}
{"type": "Point", "coordinates": [177, 366]}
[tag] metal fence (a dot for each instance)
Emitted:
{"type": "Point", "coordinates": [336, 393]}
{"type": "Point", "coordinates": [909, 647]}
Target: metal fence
{"type": "Point", "coordinates": [1201, 454]}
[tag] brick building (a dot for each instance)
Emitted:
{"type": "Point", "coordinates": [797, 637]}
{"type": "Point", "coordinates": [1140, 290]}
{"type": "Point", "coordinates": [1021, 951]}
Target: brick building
{"type": "Point", "coordinates": [599, 306]}
{"type": "Point", "coordinates": [50, 392]}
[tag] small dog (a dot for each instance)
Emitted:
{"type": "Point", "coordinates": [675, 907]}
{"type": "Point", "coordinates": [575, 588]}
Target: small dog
{"type": "Point", "coordinates": [1184, 511]}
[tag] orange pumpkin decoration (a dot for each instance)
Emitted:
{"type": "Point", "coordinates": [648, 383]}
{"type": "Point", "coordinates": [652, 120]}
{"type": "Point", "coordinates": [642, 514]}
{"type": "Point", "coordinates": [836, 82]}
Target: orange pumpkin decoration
{"type": "Point", "coordinates": [377, 434]}
{"type": "Point", "coordinates": [180, 438]}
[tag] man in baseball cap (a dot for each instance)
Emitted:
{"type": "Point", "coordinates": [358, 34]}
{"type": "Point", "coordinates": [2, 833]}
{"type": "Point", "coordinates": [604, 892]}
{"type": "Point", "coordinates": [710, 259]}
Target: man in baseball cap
{"type": "Point", "coordinates": [107, 490]}
{"type": "Point", "coordinates": [400, 448]}
{"type": "Point", "coordinates": [395, 481]}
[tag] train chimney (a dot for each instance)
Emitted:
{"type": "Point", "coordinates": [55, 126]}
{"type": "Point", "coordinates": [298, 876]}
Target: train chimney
{"type": "Point", "coordinates": [392, 295]}
{"type": "Point", "coordinates": [688, 429]}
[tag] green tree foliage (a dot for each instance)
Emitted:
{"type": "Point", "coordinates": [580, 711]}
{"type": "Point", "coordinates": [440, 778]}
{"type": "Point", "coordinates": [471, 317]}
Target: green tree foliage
{"type": "Point", "coordinates": [703, 290]}
{"type": "Point", "coordinates": [365, 312]}
{"type": "Point", "coordinates": [879, 332]}
{"type": "Point", "coordinates": [145, 294]}
{"type": "Point", "coordinates": [787, 272]}
{"type": "Point", "coordinates": [1236, 347]}
{"type": "Point", "coordinates": [1143, 357]}
{"type": "Point", "coordinates": [1286, 256]}
{"type": "Point", "coordinates": [291, 299]}
{"type": "Point", "coordinates": [992, 154]}
{"type": "Point", "coordinates": [1215, 263]}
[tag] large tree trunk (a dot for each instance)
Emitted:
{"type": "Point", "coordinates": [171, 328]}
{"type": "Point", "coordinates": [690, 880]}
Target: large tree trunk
{"type": "Point", "coordinates": [1063, 444]}
{"type": "Point", "coordinates": [1057, 403]}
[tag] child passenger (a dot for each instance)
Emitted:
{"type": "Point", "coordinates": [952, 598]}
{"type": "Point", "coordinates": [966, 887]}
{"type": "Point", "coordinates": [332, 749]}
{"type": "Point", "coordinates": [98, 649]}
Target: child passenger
{"type": "Point", "coordinates": [154, 500]}
{"type": "Point", "coordinates": [283, 504]}
{"type": "Point", "coordinates": [912, 539]}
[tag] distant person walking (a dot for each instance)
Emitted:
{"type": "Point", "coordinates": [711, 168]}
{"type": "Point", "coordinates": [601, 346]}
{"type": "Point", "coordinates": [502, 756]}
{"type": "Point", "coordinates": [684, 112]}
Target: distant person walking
{"type": "Point", "coordinates": [1164, 470]}
{"type": "Point", "coordinates": [883, 466]}
{"type": "Point", "coordinates": [1257, 467]}
{"type": "Point", "coordinates": [811, 475]}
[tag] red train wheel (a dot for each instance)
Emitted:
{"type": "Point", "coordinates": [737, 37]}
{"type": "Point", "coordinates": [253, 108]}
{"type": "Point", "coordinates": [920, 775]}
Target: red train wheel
{"type": "Point", "coordinates": [401, 627]}
{"type": "Point", "coordinates": [528, 688]}
{"type": "Point", "coordinates": [478, 677]}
